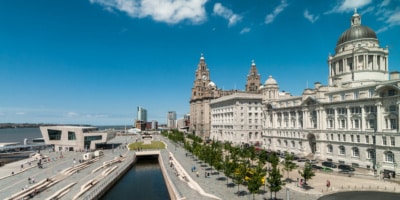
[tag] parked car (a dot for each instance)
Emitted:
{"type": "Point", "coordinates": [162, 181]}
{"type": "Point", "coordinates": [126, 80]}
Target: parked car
{"type": "Point", "coordinates": [346, 168]}
{"type": "Point", "coordinates": [316, 167]}
{"type": "Point", "coordinates": [328, 164]}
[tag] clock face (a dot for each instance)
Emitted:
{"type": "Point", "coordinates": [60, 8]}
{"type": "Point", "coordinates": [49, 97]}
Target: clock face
{"type": "Point", "coordinates": [204, 77]}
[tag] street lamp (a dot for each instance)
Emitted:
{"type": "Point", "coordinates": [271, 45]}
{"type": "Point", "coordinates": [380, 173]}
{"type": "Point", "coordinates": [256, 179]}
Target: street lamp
{"type": "Point", "coordinates": [374, 145]}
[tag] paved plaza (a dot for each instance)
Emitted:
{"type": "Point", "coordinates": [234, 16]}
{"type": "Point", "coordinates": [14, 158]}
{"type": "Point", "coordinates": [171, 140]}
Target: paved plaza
{"type": "Point", "coordinates": [216, 184]}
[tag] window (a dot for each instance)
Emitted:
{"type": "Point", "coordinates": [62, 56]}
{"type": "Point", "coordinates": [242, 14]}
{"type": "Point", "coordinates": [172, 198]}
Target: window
{"type": "Point", "coordinates": [393, 123]}
{"type": "Point", "coordinates": [338, 137]}
{"type": "Point", "coordinates": [331, 136]}
{"type": "Point", "coordinates": [344, 137]}
{"type": "Point", "coordinates": [355, 110]}
{"type": "Point", "coordinates": [342, 123]}
{"type": "Point", "coordinates": [391, 92]}
{"type": "Point", "coordinates": [71, 135]}
{"type": "Point", "coordinates": [330, 98]}
{"type": "Point", "coordinates": [356, 123]}
{"type": "Point", "coordinates": [392, 141]}
{"type": "Point", "coordinates": [293, 144]}
{"type": "Point", "coordinates": [342, 97]}
{"type": "Point", "coordinates": [342, 150]}
{"type": "Point", "coordinates": [389, 157]}
{"type": "Point", "coordinates": [355, 152]}
{"type": "Point", "coordinates": [371, 154]}
{"type": "Point", "coordinates": [358, 138]}
{"type": "Point", "coordinates": [54, 134]}
{"type": "Point", "coordinates": [370, 93]}
{"type": "Point", "coordinates": [330, 123]}
{"type": "Point", "coordinates": [356, 95]}
{"type": "Point", "coordinates": [330, 149]}
{"type": "Point", "coordinates": [384, 142]}
{"type": "Point", "coordinates": [373, 140]}
{"type": "Point", "coordinates": [371, 123]}
{"type": "Point", "coordinates": [342, 111]}
{"type": "Point", "coordinates": [352, 138]}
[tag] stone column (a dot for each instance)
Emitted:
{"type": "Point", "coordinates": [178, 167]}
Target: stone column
{"type": "Point", "coordinates": [378, 117]}
{"type": "Point", "coordinates": [363, 118]}
{"type": "Point", "coordinates": [348, 118]}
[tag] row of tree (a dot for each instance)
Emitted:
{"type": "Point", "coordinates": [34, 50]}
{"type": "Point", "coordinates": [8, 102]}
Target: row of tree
{"type": "Point", "coordinates": [244, 165]}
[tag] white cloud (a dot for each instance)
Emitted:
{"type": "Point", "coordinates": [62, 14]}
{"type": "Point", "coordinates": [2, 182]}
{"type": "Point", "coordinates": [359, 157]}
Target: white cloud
{"type": "Point", "coordinates": [310, 17]}
{"type": "Point", "coordinates": [394, 18]}
{"type": "Point", "coordinates": [385, 3]}
{"type": "Point", "coordinates": [227, 13]}
{"type": "Point", "coordinates": [348, 5]}
{"type": "Point", "coordinates": [245, 30]}
{"type": "Point", "coordinates": [271, 17]}
{"type": "Point", "coordinates": [72, 114]}
{"type": "Point", "coordinates": [168, 11]}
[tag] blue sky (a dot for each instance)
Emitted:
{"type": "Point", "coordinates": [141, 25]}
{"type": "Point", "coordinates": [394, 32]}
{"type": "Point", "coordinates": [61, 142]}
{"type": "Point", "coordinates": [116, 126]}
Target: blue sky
{"type": "Point", "coordinates": [95, 61]}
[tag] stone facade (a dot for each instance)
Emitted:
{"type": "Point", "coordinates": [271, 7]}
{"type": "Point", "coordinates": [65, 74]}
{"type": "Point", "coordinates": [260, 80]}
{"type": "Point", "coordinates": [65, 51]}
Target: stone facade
{"type": "Point", "coordinates": [237, 119]}
{"type": "Point", "coordinates": [353, 120]}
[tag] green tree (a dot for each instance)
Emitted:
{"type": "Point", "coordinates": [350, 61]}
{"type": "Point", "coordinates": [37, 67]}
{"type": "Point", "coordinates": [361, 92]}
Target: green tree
{"type": "Point", "coordinates": [274, 180]}
{"type": "Point", "coordinates": [307, 172]}
{"type": "Point", "coordinates": [240, 173]}
{"type": "Point", "coordinates": [256, 180]}
{"type": "Point", "coordinates": [229, 167]}
{"type": "Point", "coordinates": [288, 164]}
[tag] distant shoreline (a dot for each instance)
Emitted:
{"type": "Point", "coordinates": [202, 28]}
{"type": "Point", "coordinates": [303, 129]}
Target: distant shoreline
{"type": "Point", "coordinates": [32, 125]}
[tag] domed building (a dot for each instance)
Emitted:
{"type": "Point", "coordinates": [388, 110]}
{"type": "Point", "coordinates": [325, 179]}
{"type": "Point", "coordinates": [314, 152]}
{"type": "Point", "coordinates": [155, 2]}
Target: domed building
{"type": "Point", "coordinates": [358, 58]}
{"type": "Point", "coordinates": [354, 120]}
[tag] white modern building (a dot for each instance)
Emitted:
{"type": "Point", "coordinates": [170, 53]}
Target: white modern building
{"type": "Point", "coordinates": [237, 119]}
{"type": "Point", "coordinates": [171, 119]}
{"type": "Point", "coordinates": [141, 114]}
{"type": "Point", "coordinates": [353, 120]}
{"type": "Point", "coordinates": [74, 138]}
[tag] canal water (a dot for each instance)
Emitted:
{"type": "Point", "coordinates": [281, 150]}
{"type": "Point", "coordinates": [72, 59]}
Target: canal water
{"type": "Point", "coordinates": [143, 181]}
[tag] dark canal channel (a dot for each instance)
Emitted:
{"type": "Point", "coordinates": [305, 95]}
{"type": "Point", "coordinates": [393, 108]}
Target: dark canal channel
{"type": "Point", "coordinates": [143, 181]}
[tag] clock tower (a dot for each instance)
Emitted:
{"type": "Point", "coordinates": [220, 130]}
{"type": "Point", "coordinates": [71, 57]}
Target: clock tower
{"type": "Point", "coordinates": [253, 79]}
{"type": "Point", "coordinates": [202, 92]}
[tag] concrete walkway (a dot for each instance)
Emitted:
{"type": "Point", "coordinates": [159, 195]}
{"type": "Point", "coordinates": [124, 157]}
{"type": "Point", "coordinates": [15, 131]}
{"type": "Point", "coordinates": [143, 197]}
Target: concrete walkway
{"type": "Point", "coordinates": [216, 184]}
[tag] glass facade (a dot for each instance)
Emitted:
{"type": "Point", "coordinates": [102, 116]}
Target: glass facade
{"type": "Point", "coordinates": [54, 134]}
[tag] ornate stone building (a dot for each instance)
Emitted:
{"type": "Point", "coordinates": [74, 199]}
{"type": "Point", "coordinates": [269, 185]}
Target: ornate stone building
{"type": "Point", "coordinates": [353, 120]}
{"type": "Point", "coordinates": [204, 90]}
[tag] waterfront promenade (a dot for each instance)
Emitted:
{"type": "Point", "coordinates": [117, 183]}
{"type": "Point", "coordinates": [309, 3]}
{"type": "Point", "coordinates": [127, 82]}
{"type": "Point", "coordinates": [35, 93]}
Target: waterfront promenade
{"type": "Point", "coordinates": [184, 182]}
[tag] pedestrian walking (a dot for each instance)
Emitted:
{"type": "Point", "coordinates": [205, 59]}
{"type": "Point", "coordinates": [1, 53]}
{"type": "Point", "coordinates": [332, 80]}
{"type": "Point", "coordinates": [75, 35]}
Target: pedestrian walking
{"type": "Point", "coordinates": [328, 184]}
{"type": "Point", "coordinates": [197, 174]}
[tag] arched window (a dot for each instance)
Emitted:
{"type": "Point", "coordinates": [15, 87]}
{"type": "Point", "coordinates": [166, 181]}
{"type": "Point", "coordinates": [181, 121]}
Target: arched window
{"type": "Point", "coordinates": [355, 152]}
{"type": "Point", "coordinates": [342, 150]}
{"type": "Point", "coordinates": [389, 156]}
{"type": "Point", "coordinates": [330, 148]}
{"type": "Point", "coordinates": [286, 143]}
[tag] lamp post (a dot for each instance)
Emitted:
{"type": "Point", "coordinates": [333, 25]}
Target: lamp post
{"type": "Point", "coordinates": [374, 145]}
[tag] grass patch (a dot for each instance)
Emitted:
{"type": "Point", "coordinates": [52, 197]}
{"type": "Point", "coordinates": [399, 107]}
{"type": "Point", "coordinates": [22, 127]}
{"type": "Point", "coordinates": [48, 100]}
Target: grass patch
{"type": "Point", "coordinates": [153, 145]}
